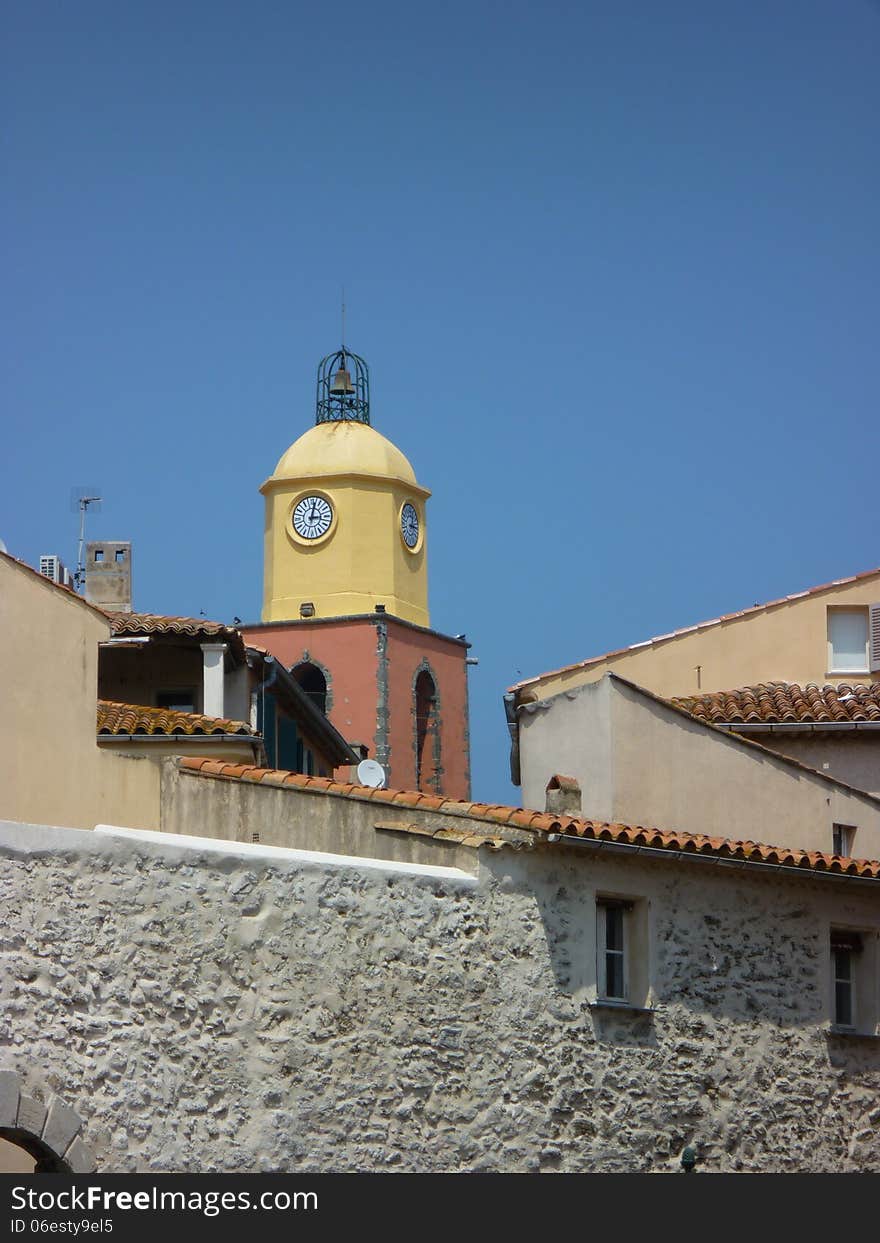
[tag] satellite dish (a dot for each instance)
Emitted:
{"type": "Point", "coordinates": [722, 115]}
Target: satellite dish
{"type": "Point", "coordinates": [371, 773]}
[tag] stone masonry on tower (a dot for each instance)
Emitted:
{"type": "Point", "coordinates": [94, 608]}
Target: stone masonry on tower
{"type": "Point", "coordinates": [345, 599]}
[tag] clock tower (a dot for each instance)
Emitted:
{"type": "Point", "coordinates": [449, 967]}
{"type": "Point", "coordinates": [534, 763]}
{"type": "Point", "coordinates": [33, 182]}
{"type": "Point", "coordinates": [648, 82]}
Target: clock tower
{"type": "Point", "coordinates": [345, 598]}
{"type": "Point", "coordinates": [345, 515]}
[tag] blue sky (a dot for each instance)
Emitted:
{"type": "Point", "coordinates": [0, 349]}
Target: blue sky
{"type": "Point", "coordinates": [614, 266]}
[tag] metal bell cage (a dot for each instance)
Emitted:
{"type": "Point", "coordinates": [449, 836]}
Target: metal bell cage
{"type": "Point", "coordinates": [343, 389]}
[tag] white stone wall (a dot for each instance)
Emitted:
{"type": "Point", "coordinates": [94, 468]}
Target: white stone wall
{"type": "Point", "coordinates": [218, 1007]}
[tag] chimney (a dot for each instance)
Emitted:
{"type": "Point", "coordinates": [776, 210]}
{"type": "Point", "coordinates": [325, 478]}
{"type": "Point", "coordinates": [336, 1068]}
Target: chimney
{"type": "Point", "coordinates": [108, 575]}
{"type": "Point", "coordinates": [563, 796]}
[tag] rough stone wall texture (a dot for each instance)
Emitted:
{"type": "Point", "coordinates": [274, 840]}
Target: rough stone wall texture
{"type": "Point", "coordinates": [239, 1009]}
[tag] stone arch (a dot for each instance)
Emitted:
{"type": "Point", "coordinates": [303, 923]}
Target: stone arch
{"type": "Point", "coordinates": [426, 725]}
{"type": "Point", "coordinates": [50, 1133]}
{"type": "Point", "coordinates": [314, 678]}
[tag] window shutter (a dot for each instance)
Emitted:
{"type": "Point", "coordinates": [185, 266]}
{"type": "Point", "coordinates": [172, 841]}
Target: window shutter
{"type": "Point", "coordinates": [874, 636]}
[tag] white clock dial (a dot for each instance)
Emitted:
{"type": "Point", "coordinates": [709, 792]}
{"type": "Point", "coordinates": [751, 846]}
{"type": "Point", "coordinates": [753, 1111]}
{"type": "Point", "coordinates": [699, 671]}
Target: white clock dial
{"type": "Point", "coordinates": [312, 517]}
{"type": "Point", "coordinates": [409, 525]}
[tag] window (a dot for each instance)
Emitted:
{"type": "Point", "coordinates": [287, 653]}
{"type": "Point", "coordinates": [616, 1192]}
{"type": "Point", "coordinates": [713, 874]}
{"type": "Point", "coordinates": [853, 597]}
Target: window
{"type": "Point", "coordinates": [120, 555]}
{"type": "Point", "coordinates": [177, 701]}
{"type": "Point", "coordinates": [854, 999]}
{"type": "Point", "coordinates": [612, 949]}
{"type": "Point", "coordinates": [427, 740]}
{"type": "Point", "coordinates": [842, 950]}
{"type": "Point", "coordinates": [622, 952]}
{"type": "Point", "coordinates": [99, 554]}
{"type": "Point", "coordinates": [313, 682]}
{"type": "Point", "coordinates": [845, 946]}
{"type": "Point", "coordinates": [843, 836]}
{"type": "Point", "coordinates": [848, 640]}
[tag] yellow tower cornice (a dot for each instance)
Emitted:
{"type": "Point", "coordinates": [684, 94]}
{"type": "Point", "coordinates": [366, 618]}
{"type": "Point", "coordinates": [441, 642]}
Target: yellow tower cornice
{"type": "Point", "coordinates": [274, 482]}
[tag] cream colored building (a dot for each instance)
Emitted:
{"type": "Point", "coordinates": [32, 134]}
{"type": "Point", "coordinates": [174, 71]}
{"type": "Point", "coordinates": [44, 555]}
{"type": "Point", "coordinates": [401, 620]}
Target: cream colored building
{"type": "Point", "coordinates": [826, 634]}
{"type": "Point", "coordinates": [679, 731]}
{"type": "Point", "coordinates": [67, 757]}
{"type": "Point", "coordinates": [834, 729]}
{"type": "Point", "coordinates": [639, 759]}
{"type": "Point", "coordinates": [51, 769]}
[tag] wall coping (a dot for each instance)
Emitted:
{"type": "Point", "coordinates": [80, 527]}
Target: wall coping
{"type": "Point", "coordinates": [29, 839]}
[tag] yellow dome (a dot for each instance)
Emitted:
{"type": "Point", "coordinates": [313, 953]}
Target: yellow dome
{"type": "Point", "coordinates": [344, 448]}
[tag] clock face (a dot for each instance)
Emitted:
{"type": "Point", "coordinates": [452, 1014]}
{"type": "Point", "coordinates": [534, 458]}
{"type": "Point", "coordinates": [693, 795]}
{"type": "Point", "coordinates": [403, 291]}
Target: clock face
{"type": "Point", "coordinates": [312, 517]}
{"type": "Point", "coordinates": [409, 525]}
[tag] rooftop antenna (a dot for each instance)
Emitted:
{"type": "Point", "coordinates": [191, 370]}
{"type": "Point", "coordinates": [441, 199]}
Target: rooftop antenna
{"type": "Point", "coordinates": [343, 321]}
{"type": "Point", "coordinates": [83, 499]}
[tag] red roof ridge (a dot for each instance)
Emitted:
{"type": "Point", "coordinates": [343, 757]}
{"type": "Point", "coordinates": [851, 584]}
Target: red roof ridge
{"type": "Point", "coordinates": [543, 822]}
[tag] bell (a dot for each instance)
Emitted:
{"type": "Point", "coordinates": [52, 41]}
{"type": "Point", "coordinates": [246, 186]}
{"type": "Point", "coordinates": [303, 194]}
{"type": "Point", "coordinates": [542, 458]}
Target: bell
{"type": "Point", "coordinates": [342, 385]}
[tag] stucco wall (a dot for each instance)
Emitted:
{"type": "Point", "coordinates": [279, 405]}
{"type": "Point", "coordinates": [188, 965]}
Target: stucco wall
{"type": "Point", "coordinates": [570, 734]}
{"type": "Point", "coordinates": [671, 772]}
{"type": "Point", "coordinates": [207, 1010]}
{"type": "Point", "coordinates": [51, 769]}
{"type": "Point", "coordinates": [850, 755]}
{"type": "Point", "coordinates": [301, 819]}
{"type": "Point", "coordinates": [787, 643]}
{"type": "Point", "coordinates": [237, 749]}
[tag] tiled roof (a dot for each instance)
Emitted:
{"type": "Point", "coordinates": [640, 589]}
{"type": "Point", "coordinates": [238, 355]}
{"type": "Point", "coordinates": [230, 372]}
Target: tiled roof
{"type": "Point", "coordinates": [786, 703]}
{"type": "Point", "coordinates": [541, 824]}
{"type": "Point", "coordinates": [157, 623]}
{"type": "Point", "coordinates": [715, 621]}
{"type": "Point", "coordinates": [117, 718]}
{"type": "Point", "coordinates": [138, 624]}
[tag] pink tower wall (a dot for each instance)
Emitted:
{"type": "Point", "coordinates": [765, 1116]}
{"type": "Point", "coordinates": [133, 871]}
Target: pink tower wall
{"type": "Point", "coordinates": [408, 651]}
{"type": "Point", "coordinates": [371, 664]}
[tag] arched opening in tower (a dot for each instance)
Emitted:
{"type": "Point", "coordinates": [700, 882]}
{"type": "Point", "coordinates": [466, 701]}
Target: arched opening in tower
{"type": "Point", "coordinates": [427, 733]}
{"type": "Point", "coordinates": [313, 682]}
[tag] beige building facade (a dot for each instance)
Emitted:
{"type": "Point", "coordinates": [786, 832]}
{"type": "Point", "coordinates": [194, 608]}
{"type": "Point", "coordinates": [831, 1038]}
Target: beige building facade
{"type": "Point", "coordinates": [639, 759]}
{"type": "Point", "coordinates": [70, 758]}
{"type": "Point", "coordinates": [51, 769]}
{"type": "Point", "coordinates": [826, 634]}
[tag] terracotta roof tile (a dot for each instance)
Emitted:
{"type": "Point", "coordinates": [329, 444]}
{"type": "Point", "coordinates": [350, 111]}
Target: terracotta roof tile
{"type": "Point", "coordinates": [715, 621]}
{"type": "Point", "coordinates": [159, 623]}
{"type": "Point", "coordinates": [544, 825]}
{"type": "Point", "coordinates": [140, 624]}
{"type": "Point", "coordinates": [786, 703]}
{"type": "Point", "coordinates": [119, 718]}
